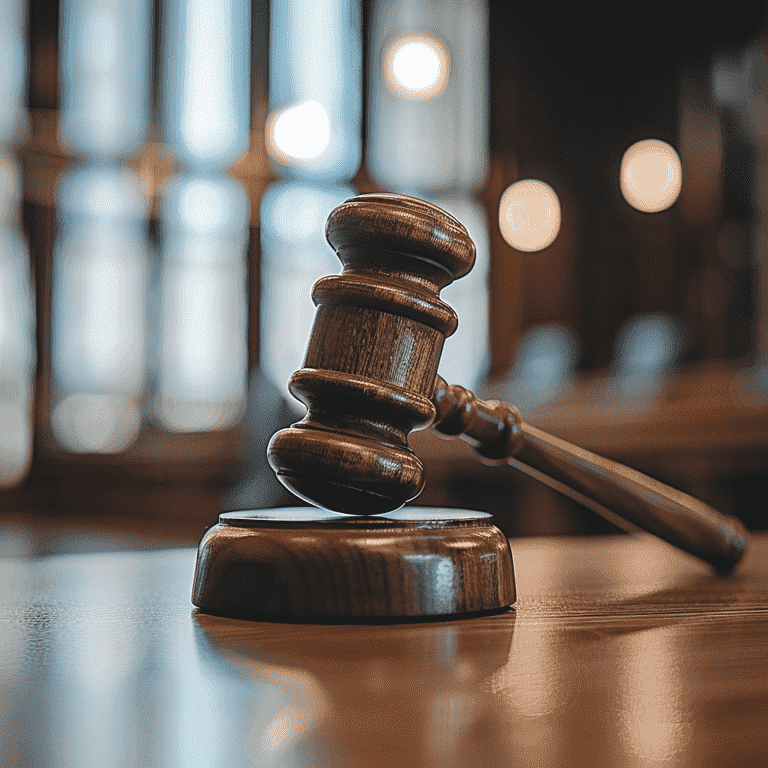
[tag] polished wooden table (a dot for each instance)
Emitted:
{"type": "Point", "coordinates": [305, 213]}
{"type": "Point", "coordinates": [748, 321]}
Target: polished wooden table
{"type": "Point", "coordinates": [621, 652]}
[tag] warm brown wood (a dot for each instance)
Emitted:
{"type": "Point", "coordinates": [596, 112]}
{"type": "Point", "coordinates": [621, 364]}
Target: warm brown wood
{"type": "Point", "coordinates": [372, 360]}
{"type": "Point", "coordinates": [616, 654]}
{"type": "Point", "coordinates": [370, 378]}
{"type": "Point", "coordinates": [307, 564]}
{"type": "Point", "coordinates": [499, 434]}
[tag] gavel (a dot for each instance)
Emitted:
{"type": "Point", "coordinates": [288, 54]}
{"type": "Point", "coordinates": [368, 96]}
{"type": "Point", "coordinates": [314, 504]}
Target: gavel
{"type": "Point", "coordinates": [369, 379]}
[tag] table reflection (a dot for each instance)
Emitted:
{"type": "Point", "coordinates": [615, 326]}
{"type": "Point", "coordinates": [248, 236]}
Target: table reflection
{"type": "Point", "coordinates": [619, 652]}
{"type": "Point", "coordinates": [405, 694]}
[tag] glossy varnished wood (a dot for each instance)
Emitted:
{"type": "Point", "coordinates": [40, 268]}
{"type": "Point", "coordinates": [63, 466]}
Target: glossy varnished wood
{"type": "Point", "coordinates": [304, 565]}
{"type": "Point", "coordinates": [617, 492]}
{"type": "Point", "coordinates": [370, 378]}
{"type": "Point", "coordinates": [620, 652]}
{"type": "Point", "coordinates": [371, 361]}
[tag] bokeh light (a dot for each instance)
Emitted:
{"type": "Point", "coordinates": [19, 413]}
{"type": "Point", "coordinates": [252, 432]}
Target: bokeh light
{"type": "Point", "coordinates": [651, 175]}
{"type": "Point", "coordinates": [298, 133]}
{"type": "Point", "coordinates": [529, 215]}
{"type": "Point", "coordinates": [416, 67]}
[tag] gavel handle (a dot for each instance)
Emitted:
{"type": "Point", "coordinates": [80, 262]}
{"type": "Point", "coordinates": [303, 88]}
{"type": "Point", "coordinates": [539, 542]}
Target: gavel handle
{"type": "Point", "coordinates": [610, 489]}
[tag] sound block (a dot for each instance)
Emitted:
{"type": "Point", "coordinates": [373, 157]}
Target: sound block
{"type": "Point", "coordinates": [306, 564]}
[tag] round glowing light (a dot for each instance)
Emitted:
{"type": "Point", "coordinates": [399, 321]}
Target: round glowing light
{"type": "Point", "coordinates": [298, 133]}
{"type": "Point", "coordinates": [651, 175]}
{"type": "Point", "coordinates": [529, 215]}
{"type": "Point", "coordinates": [416, 67]}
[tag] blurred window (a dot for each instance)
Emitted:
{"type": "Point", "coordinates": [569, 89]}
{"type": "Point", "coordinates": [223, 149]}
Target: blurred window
{"type": "Point", "coordinates": [313, 140]}
{"type": "Point", "coordinates": [17, 353]}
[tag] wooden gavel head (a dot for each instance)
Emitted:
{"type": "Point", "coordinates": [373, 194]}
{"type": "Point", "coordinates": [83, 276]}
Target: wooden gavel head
{"type": "Point", "coordinates": [371, 363]}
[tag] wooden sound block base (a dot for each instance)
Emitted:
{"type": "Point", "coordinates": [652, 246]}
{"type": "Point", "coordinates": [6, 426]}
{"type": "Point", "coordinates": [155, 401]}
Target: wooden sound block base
{"type": "Point", "coordinates": [306, 564]}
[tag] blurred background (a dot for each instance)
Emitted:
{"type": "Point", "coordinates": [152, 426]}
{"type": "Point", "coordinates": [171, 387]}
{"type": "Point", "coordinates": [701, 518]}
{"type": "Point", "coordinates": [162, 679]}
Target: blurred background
{"type": "Point", "coordinates": [166, 169]}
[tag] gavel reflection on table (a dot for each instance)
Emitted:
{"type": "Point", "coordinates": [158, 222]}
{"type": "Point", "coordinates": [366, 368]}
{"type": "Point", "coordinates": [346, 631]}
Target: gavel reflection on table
{"type": "Point", "coordinates": [369, 379]}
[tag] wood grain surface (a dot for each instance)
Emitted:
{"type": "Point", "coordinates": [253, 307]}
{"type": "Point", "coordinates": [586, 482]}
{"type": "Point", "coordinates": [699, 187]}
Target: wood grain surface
{"type": "Point", "coordinates": [369, 372]}
{"type": "Point", "coordinates": [621, 652]}
{"type": "Point", "coordinates": [309, 564]}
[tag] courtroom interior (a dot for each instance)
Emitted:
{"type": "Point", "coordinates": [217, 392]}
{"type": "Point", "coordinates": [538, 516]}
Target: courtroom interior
{"type": "Point", "coordinates": [639, 335]}
{"type": "Point", "coordinates": [173, 176]}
